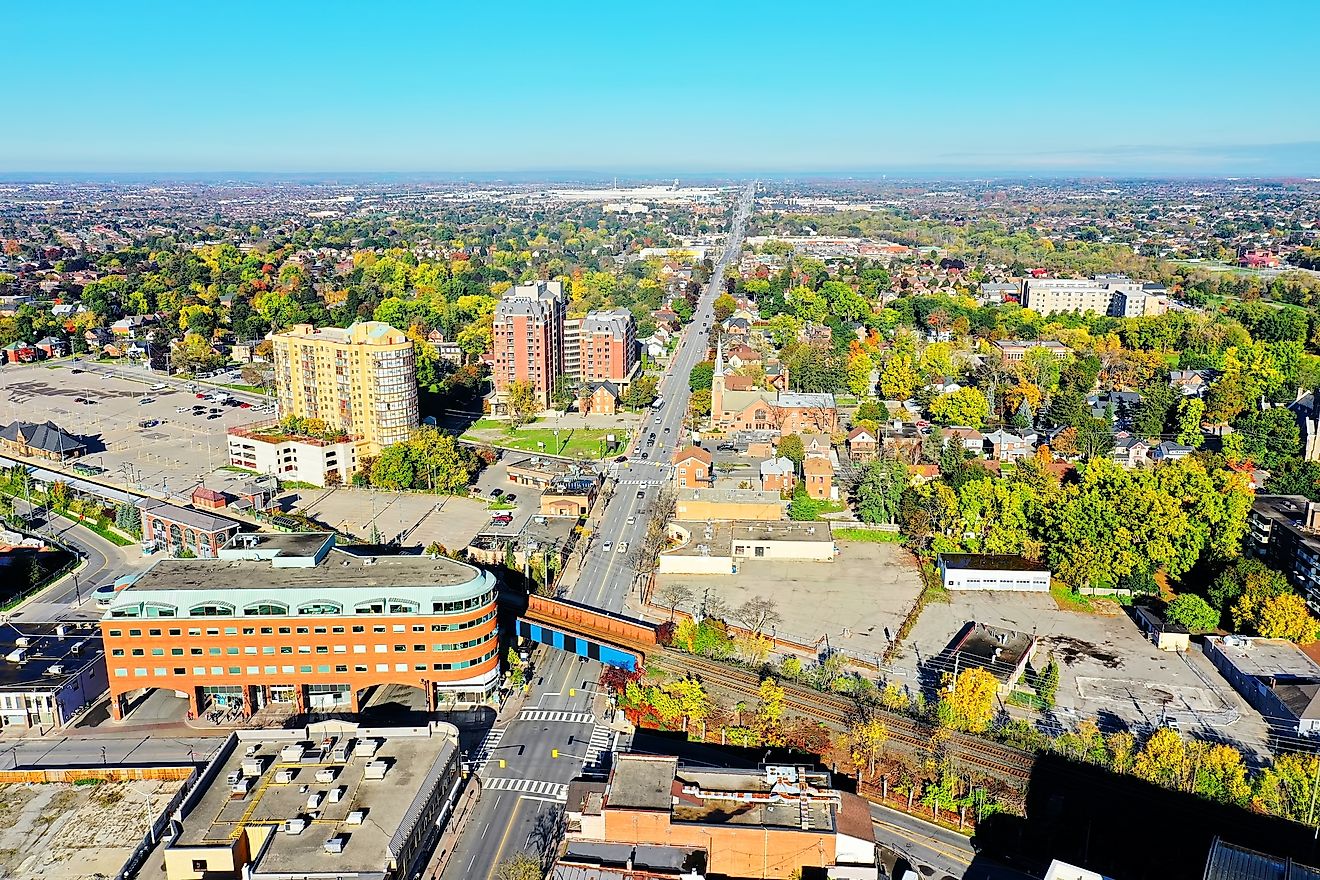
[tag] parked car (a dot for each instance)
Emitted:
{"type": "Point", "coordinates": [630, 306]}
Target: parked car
{"type": "Point", "coordinates": [501, 519]}
{"type": "Point", "coordinates": [146, 400]}
{"type": "Point", "coordinates": [213, 416]}
{"type": "Point", "coordinates": [510, 498]}
{"type": "Point", "coordinates": [496, 492]}
{"type": "Point", "coordinates": [148, 423]}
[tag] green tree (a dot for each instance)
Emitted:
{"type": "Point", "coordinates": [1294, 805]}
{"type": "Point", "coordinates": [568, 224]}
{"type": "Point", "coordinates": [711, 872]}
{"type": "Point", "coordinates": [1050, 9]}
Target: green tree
{"type": "Point", "coordinates": [880, 490]}
{"type": "Point", "coordinates": [1270, 437]}
{"type": "Point", "coordinates": [523, 866]}
{"type": "Point", "coordinates": [870, 410]}
{"type": "Point", "coordinates": [1191, 412]}
{"type": "Point", "coordinates": [803, 508]}
{"type": "Point", "coordinates": [702, 376]}
{"type": "Point", "coordinates": [725, 305]}
{"type": "Point", "coordinates": [1192, 612]}
{"type": "Point", "coordinates": [524, 403]}
{"type": "Point", "coordinates": [790, 447]}
{"type": "Point", "coordinates": [394, 468]}
{"type": "Point", "coordinates": [898, 377]}
{"type": "Point", "coordinates": [1047, 686]}
{"type": "Point", "coordinates": [641, 392]}
{"type": "Point", "coordinates": [966, 406]}
{"type": "Point", "coordinates": [1287, 787]}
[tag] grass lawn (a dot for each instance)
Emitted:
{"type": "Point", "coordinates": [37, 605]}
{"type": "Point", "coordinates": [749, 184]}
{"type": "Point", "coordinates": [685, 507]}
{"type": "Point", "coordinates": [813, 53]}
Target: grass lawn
{"type": "Point", "coordinates": [110, 534]}
{"type": "Point", "coordinates": [866, 536]}
{"type": "Point", "coordinates": [249, 388]}
{"type": "Point", "coordinates": [1070, 600]}
{"type": "Point", "coordinates": [573, 442]}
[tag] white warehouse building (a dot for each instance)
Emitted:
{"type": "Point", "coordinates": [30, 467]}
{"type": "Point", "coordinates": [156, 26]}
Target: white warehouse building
{"type": "Point", "coordinates": [975, 571]}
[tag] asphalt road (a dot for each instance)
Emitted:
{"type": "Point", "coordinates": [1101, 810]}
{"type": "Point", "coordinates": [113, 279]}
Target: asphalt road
{"type": "Point", "coordinates": [60, 601]}
{"type": "Point", "coordinates": [506, 822]}
{"type": "Point", "coordinates": [607, 577]}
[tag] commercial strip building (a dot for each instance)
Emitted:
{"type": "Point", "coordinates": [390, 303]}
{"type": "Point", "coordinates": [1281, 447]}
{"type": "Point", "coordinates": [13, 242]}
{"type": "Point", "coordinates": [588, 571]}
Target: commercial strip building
{"type": "Point", "coordinates": [330, 800]}
{"type": "Point", "coordinates": [978, 571]}
{"type": "Point", "coordinates": [361, 380]}
{"type": "Point", "coordinates": [266, 449]}
{"type": "Point", "coordinates": [1275, 676]}
{"type": "Point", "coordinates": [1004, 653]}
{"type": "Point", "coordinates": [1114, 295]}
{"type": "Point", "coordinates": [1284, 530]}
{"type": "Point", "coordinates": [528, 340]}
{"type": "Point", "coordinates": [725, 822]}
{"type": "Point", "coordinates": [729, 504]}
{"type": "Point", "coordinates": [291, 618]}
{"type": "Point", "coordinates": [50, 673]}
{"type": "Point", "coordinates": [716, 547]}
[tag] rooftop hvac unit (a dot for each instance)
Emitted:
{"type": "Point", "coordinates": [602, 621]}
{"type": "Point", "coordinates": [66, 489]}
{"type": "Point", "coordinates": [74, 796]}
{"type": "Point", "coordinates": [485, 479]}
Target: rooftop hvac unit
{"type": "Point", "coordinates": [23, 641]}
{"type": "Point", "coordinates": [18, 655]}
{"type": "Point", "coordinates": [62, 630]}
{"type": "Point", "coordinates": [334, 844]}
{"type": "Point", "coordinates": [57, 669]}
{"type": "Point", "coordinates": [314, 800]}
{"type": "Point", "coordinates": [284, 777]}
{"type": "Point", "coordinates": [295, 826]}
{"type": "Point", "coordinates": [342, 750]}
{"type": "Point", "coordinates": [355, 817]}
{"type": "Point", "coordinates": [77, 647]}
{"type": "Point", "coordinates": [251, 750]}
{"type": "Point", "coordinates": [253, 766]}
{"type": "Point", "coordinates": [337, 793]}
{"type": "Point", "coordinates": [326, 774]}
{"type": "Point", "coordinates": [241, 788]}
{"type": "Point", "coordinates": [291, 753]}
{"type": "Point", "coordinates": [375, 770]}
{"type": "Point", "coordinates": [367, 748]}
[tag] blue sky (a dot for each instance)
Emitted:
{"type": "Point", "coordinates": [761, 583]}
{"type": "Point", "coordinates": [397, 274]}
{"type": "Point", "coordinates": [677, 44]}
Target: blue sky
{"type": "Point", "coordinates": [1171, 87]}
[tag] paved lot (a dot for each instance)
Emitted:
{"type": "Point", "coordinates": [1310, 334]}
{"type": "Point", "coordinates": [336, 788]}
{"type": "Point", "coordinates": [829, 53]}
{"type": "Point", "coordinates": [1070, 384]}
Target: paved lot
{"type": "Point", "coordinates": [1108, 670]}
{"type": "Point", "coordinates": [414, 518]}
{"type": "Point", "coordinates": [850, 601]}
{"type": "Point", "coordinates": [174, 456]}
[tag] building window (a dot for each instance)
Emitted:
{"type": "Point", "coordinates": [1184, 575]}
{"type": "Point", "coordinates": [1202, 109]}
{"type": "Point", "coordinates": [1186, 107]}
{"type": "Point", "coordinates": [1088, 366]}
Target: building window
{"type": "Point", "coordinates": [267, 608]}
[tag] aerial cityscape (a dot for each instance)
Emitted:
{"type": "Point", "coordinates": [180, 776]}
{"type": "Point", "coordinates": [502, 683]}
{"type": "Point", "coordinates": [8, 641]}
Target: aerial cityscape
{"type": "Point", "coordinates": [699, 443]}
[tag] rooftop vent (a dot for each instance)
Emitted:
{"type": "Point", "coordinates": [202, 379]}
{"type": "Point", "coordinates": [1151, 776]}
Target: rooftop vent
{"type": "Point", "coordinates": [57, 669]}
{"type": "Point", "coordinates": [375, 770]}
{"type": "Point", "coordinates": [295, 826]}
{"type": "Point", "coordinates": [356, 817]}
{"type": "Point", "coordinates": [334, 844]}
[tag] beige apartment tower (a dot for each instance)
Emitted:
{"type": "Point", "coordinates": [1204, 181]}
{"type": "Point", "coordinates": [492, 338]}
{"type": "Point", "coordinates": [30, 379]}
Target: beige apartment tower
{"type": "Point", "coordinates": [361, 380]}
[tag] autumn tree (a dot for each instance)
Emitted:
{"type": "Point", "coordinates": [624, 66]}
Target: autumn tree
{"type": "Point", "coordinates": [866, 741]}
{"type": "Point", "coordinates": [968, 702]}
{"type": "Point", "coordinates": [725, 305]}
{"type": "Point", "coordinates": [524, 403]}
{"type": "Point", "coordinates": [1193, 612]}
{"type": "Point", "coordinates": [966, 406]}
{"type": "Point", "coordinates": [1163, 760]}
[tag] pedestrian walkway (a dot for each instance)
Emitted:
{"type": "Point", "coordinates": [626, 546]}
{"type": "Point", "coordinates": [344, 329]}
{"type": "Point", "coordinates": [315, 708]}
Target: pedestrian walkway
{"type": "Point", "coordinates": [557, 791]}
{"type": "Point", "coordinates": [561, 717]}
{"type": "Point", "coordinates": [602, 742]}
{"type": "Point", "coordinates": [488, 746]}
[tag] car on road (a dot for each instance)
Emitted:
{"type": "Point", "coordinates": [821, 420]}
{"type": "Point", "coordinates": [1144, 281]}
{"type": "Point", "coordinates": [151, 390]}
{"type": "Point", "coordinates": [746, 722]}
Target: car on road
{"type": "Point", "coordinates": [75, 371]}
{"type": "Point", "coordinates": [501, 519]}
{"type": "Point", "coordinates": [145, 400]}
{"type": "Point", "coordinates": [641, 493]}
{"type": "Point", "coordinates": [645, 455]}
{"type": "Point", "coordinates": [608, 546]}
{"type": "Point", "coordinates": [632, 520]}
{"type": "Point", "coordinates": [666, 430]}
{"type": "Point", "coordinates": [621, 459]}
{"type": "Point", "coordinates": [623, 547]}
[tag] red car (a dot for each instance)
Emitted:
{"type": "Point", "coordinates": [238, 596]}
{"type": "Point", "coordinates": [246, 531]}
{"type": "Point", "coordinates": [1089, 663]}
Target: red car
{"type": "Point", "coordinates": [245, 406]}
{"type": "Point", "coordinates": [502, 520]}
{"type": "Point", "coordinates": [201, 395]}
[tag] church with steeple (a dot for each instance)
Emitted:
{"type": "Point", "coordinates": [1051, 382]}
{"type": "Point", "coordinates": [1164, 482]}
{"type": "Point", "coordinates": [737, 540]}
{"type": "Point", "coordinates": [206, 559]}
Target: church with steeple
{"type": "Point", "coordinates": [784, 412]}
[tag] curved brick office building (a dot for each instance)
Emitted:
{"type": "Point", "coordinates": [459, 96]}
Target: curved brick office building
{"type": "Point", "coordinates": [292, 619]}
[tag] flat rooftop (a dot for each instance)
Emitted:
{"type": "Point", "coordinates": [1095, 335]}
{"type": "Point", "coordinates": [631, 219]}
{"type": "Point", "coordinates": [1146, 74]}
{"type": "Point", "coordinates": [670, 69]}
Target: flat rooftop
{"type": "Point", "coordinates": [1267, 658]}
{"type": "Point", "coordinates": [49, 658]}
{"type": "Point", "coordinates": [727, 496]}
{"type": "Point", "coordinates": [989, 562]}
{"type": "Point", "coordinates": [998, 651]}
{"type": "Point", "coordinates": [642, 782]}
{"type": "Point", "coordinates": [412, 754]}
{"type": "Point", "coordinates": [338, 569]}
{"type": "Point", "coordinates": [719, 537]}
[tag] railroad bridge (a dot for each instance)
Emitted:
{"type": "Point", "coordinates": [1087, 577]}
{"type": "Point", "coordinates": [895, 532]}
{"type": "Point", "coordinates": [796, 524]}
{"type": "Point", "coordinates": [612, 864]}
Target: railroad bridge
{"type": "Point", "coordinates": [579, 629]}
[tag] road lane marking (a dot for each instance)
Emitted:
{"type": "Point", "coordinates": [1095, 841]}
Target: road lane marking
{"type": "Point", "coordinates": [556, 715]}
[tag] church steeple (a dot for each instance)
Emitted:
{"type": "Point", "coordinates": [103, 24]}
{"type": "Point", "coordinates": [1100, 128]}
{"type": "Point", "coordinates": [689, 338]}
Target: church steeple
{"type": "Point", "coordinates": [719, 357]}
{"type": "Point", "coordinates": [717, 385]}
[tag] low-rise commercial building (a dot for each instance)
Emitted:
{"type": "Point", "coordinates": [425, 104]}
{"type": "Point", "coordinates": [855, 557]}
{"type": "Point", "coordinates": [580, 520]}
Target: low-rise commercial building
{"type": "Point", "coordinates": [268, 450]}
{"type": "Point", "coordinates": [290, 618]}
{"type": "Point", "coordinates": [1004, 653]}
{"type": "Point", "coordinates": [1165, 635]}
{"type": "Point", "coordinates": [768, 823]}
{"type": "Point", "coordinates": [728, 504]}
{"type": "Point", "coordinates": [982, 571]}
{"type": "Point", "coordinates": [331, 801]}
{"type": "Point", "coordinates": [1275, 676]}
{"type": "Point", "coordinates": [41, 440]}
{"type": "Point", "coordinates": [570, 496]}
{"type": "Point", "coordinates": [716, 547]}
{"type": "Point", "coordinates": [181, 530]}
{"type": "Point", "coordinates": [49, 674]}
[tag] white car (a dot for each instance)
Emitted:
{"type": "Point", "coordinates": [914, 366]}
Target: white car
{"type": "Point", "coordinates": [609, 545]}
{"type": "Point", "coordinates": [632, 520]}
{"type": "Point", "coordinates": [623, 546]}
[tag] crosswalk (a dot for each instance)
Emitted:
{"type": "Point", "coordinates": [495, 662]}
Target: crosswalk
{"type": "Point", "coordinates": [556, 715]}
{"type": "Point", "coordinates": [602, 739]}
{"type": "Point", "coordinates": [488, 745]}
{"type": "Point", "coordinates": [637, 481]}
{"type": "Point", "coordinates": [557, 791]}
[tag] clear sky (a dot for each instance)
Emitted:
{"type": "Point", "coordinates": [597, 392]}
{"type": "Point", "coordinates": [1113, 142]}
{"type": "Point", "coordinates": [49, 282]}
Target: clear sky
{"type": "Point", "coordinates": [1196, 86]}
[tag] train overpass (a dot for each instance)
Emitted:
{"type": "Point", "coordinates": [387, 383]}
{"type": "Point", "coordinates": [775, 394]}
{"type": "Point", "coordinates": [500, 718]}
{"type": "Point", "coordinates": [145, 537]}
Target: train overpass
{"type": "Point", "coordinates": [579, 629]}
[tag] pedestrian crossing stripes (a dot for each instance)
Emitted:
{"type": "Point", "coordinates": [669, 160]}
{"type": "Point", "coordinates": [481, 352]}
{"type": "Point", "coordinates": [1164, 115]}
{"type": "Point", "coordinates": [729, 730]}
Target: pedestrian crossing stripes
{"type": "Point", "coordinates": [559, 716]}
{"type": "Point", "coordinates": [601, 741]}
{"type": "Point", "coordinates": [555, 790]}
{"type": "Point", "coordinates": [653, 481]}
{"type": "Point", "coordinates": [488, 745]}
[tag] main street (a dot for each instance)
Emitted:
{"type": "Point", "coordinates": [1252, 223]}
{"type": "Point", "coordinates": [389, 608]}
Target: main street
{"type": "Point", "coordinates": [521, 803]}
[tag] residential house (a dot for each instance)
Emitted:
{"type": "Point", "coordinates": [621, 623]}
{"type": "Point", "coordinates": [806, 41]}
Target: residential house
{"type": "Point", "coordinates": [815, 445]}
{"type": "Point", "coordinates": [1190, 383]}
{"type": "Point", "coordinates": [818, 476]}
{"type": "Point", "coordinates": [863, 445]}
{"type": "Point", "coordinates": [969, 438]}
{"type": "Point", "coordinates": [1130, 451]}
{"type": "Point", "coordinates": [600, 398]}
{"type": "Point", "coordinates": [743, 355]}
{"type": "Point", "coordinates": [920, 474]}
{"type": "Point", "coordinates": [1007, 446]}
{"type": "Point", "coordinates": [52, 347]}
{"type": "Point", "coordinates": [692, 467]}
{"type": "Point", "coordinates": [447, 350]}
{"type": "Point", "coordinates": [1170, 451]}
{"type": "Point", "coordinates": [20, 353]}
{"type": "Point", "coordinates": [778, 475]}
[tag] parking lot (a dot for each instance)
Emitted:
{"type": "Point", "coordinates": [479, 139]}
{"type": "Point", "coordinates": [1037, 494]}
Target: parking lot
{"type": "Point", "coordinates": [1108, 670]}
{"type": "Point", "coordinates": [137, 434]}
{"type": "Point", "coordinates": [846, 604]}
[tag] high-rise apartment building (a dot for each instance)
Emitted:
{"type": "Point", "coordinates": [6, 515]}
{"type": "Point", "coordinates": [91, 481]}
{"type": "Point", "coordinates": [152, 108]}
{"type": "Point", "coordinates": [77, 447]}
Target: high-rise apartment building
{"type": "Point", "coordinates": [1114, 295]}
{"type": "Point", "coordinates": [608, 346]}
{"type": "Point", "coordinates": [528, 334]}
{"type": "Point", "coordinates": [361, 380]}
{"type": "Point", "coordinates": [291, 618]}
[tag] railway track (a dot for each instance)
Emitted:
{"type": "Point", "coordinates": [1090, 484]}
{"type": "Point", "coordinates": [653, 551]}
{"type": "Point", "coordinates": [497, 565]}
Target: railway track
{"type": "Point", "coordinates": [1012, 765]}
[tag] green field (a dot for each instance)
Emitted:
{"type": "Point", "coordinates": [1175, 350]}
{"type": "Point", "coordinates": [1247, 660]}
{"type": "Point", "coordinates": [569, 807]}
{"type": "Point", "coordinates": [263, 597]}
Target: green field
{"type": "Point", "coordinates": [573, 442]}
{"type": "Point", "coordinates": [867, 536]}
